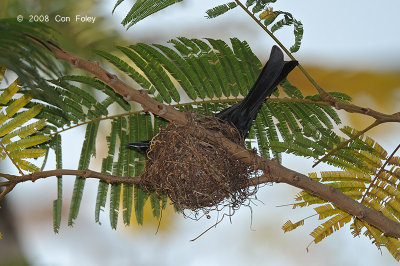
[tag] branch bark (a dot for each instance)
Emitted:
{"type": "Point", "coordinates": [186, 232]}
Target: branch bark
{"type": "Point", "coordinates": [273, 171]}
{"type": "Point", "coordinates": [110, 179]}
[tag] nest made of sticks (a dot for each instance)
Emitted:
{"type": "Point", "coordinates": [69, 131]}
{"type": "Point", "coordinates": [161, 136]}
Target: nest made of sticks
{"type": "Point", "coordinates": [194, 173]}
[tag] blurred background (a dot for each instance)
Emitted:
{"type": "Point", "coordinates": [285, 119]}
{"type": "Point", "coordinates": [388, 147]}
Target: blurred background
{"type": "Point", "coordinates": [348, 46]}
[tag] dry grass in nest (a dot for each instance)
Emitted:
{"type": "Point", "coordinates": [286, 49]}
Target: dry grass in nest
{"type": "Point", "coordinates": [194, 174]}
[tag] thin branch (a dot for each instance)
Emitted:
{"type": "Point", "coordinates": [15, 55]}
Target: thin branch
{"type": "Point", "coordinates": [8, 176]}
{"type": "Point", "coordinates": [321, 91]}
{"type": "Point", "coordinates": [343, 144]}
{"type": "Point", "coordinates": [277, 100]}
{"type": "Point", "coordinates": [127, 92]}
{"type": "Point", "coordinates": [5, 184]}
{"type": "Point", "coordinates": [326, 97]}
{"type": "Point", "coordinates": [6, 191]}
{"type": "Point", "coordinates": [272, 99]}
{"type": "Point", "coordinates": [265, 29]}
{"type": "Point", "coordinates": [12, 160]}
{"type": "Point", "coordinates": [94, 120]}
{"type": "Point", "coordinates": [379, 172]}
{"type": "Point", "coordinates": [351, 108]}
{"type": "Point", "coordinates": [110, 179]}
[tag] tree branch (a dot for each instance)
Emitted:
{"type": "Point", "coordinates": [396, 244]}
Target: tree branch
{"type": "Point", "coordinates": [279, 173]}
{"type": "Point", "coordinates": [273, 171]}
{"type": "Point", "coordinates": [110, 179]}
{"type": "Point", "coordinates": [379, 172]}
{"type": "Point", "coordinates": [352, 108]}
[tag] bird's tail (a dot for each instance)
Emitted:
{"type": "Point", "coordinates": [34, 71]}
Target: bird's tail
{"type": "Point", "coordinates": [242, 114]}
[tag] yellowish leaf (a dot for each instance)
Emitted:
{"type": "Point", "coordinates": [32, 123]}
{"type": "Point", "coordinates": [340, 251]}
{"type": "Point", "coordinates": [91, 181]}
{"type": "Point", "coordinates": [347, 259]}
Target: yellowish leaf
{"type": "Point", "coordinates": [27, 142]}
{"type": "Point", "coordinates": [25, 165]}
{"type": "Point", "coordinates": [19, 120]}
{"type": "Point", "coordinates": [289, 226]}
{"type": "Point", "coordinates": [9, 92]}
{"type": "Point", "coordinates": [28, 153]}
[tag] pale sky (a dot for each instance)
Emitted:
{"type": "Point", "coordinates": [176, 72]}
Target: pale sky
{"type": "Point", "coordinates": [357, 33]}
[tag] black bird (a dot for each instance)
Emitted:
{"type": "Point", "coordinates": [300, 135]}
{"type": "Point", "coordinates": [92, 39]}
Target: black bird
{"type": "Point", "coordinates": [242, 114]}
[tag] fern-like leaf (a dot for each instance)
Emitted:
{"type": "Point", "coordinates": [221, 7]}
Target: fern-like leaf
{"type": "Point", "coordinates": [142, 9]}
{"type": "Point", "coordinates": [267, 16]}
{"type": "Point", "coordinates": [57, 204]}
{"type": "Point", "coordinates": [289, 226]}
{"type": "Point", "coordinates": [22, 51]}
{"type": "Point", "coordinates": [18, 139]}
{"type": "Point", "coordinates": [88, 150]}
{"type": "Point", "coordinates": [329, 227]}
{"type": "Point", "coordinates": [221, 9]}
{"type": "Point", "coordinates": [376, 188]}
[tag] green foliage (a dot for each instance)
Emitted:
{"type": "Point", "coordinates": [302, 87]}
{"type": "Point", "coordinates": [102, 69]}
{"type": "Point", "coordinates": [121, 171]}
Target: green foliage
{"type": "Point", "coordinates": [92, 114]}
{"type": "Point", "coordinates": [88, 150]}
{"type": "Point", "coordinates": [78, 37]}
{"type": "Point", "coordinates": [376, 187]}
{"type": "Point", "coordinates": [63, 105]}
{"type": "Point", "coordinates": [135, 127]}
{"type": "Point", "coordinates": [258, 5]}
{"type": "Point", "coordinates": [57, 204]}
{"type": "Point", "coordinates": [76, 107]}
{"type": "Point", "coordinates": [287, 20]}
{"type": "Point", "coordinates": [26, 57]}
{"type": "Point", "coordinates": [204, 70]}
{"type": "Point", "coordinates": [357, 156]}
{"type": "Point", "coordinates": [221, 9]}
{"type": "Point", "coordinates": [141, 129]}
{"type": "Point", "coordinates": [142, 9]}
{"type": "Point", "coordinates": [19, 127]}
{"type": "Point", "coordinates": [267, 16]}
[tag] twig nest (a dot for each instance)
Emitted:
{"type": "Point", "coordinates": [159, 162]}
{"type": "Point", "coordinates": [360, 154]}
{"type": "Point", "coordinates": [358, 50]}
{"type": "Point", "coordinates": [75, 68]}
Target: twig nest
{"type": "Point", "coordinates": [193, 173]}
